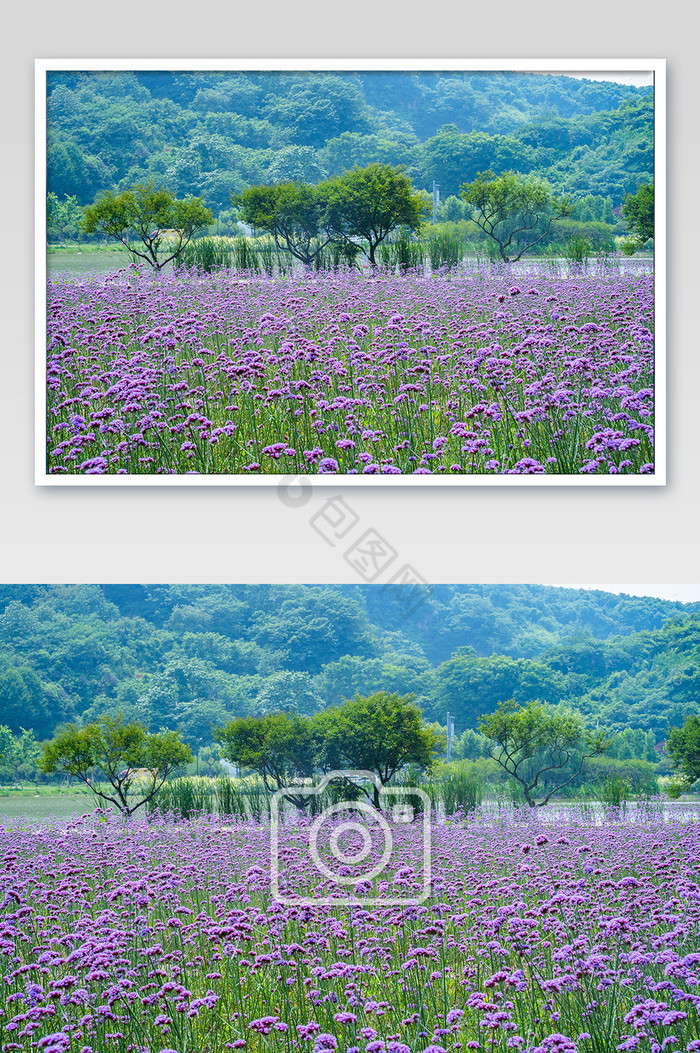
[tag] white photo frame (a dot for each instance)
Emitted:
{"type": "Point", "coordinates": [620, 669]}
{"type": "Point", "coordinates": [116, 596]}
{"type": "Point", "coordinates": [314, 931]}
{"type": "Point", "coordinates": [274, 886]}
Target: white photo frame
{"type": "Point", "coordinates": [603, 68]}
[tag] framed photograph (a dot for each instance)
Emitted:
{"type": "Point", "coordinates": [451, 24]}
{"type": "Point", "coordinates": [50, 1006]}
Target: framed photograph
{"type": "Point", "coordinates": [430, 272]}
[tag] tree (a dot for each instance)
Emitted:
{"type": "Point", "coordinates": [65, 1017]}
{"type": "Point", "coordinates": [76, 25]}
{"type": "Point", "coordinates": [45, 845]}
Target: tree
{"type": "Point", "coordinates": [532, 740]}
{"type": "Point", "coordinates": [198, 718]}
{"type": "Point", "coordinates": [683, 747]}
{"type": "Point", "coordinates": [62, 217]}
{"type": "Point", "coordinates": [371, 202]}
{"type": "Point", "coordinates": [227, 222]}
{"type": "Point", "coordinates": [510, 206]}
{"type": "Point", "coordinates": [152, 225]}
{"type": "Point", "coordinates": [288, 691]}
{"type": "Point", "coordinates": [638, 210]}
{"type": "Point", "coordinates": [382, 733]}
{"type": "Point", "coordinates": [292, 213]}
{"type": "Point", "coordinates": [23, 701]}
{"type": "Point", "coordinates": [280, 747]}
{"type": "Point", "coordinates": [453, 158]}
{"type": "Point", "coordinates": [130, 759]}
{"type": "Point", "coordinates": [18, 750]}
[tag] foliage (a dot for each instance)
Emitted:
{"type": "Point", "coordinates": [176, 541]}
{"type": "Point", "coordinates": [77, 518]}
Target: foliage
{"type": "Point", "coordinates": [453, 158]}
{"type": "Point", "coordinates": [532, 740]}
{"type": "Point", "coordinates": [457, 788]}
{"type": "Point", "coordinates": [216, 133]}
{"type": "Point", "coordinates": [468, 685]}
{"type": "Point", "coordinates": [683, 747]}
{"type": "Point", "coordinates": [508, 207]}
{"type": "Point", "coordinates": [638, 210]}
{"type": "Point", "coordinates": [207, 254]}
{"type": "Point", "coordinates": [151, 223]}
{"type": "Point", "coordinates": [293, 213]}
{"type": "Point", "coordinates": [280, 747]}
{"type": "Point", "coordinates": [402, 251]}
{"type": "Point", "coordinates": [381, 733]}
{"type": "Point", "coordinates": [119, 753]}
{"type": "Point", "coordinates": [369, 203]}
{"type": "Point", "coordinates": [71, 653]}
{"type": "Point", "coordinates": [18, 751]}
{"type": "Point", "coordinates": [63, 218]}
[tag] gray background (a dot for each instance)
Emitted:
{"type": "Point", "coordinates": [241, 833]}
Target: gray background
{"type": "Point", "coordinates": [246, 534]}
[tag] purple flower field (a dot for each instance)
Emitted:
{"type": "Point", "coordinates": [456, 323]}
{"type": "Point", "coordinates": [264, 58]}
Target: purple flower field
{"type": "Point", "coordinates": [479, 373]}
{"type": "Point", "coordinates": [558, 935]}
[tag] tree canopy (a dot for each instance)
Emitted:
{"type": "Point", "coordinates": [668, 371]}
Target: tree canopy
{"type": "Point", "coordinates": [381, 733]}
{"type": "Point", "coordinates": [293, 213]}
{"type": "Point", "coordinates": [369, 203]}
{"type": "Point", "coordinates": [533, 740]}
{"type": "Point", "coordinates": [63, 218]}
{"type": "Point", "coordinates": [281, 747]}
{"type": "Point", "coordinates": [514, 211]}
{"type": "Point", "coordinates": [189, 656]}
{"type": "Point", "coordinates": [133, 762]}
{"type": "Point", "coordinates": [207, 133]}
{"type": "Point", "coordinates": [638, 210]}
{"type": "Point", "coordinates": [683, 747]}
{"type": "Point", "coordinates": [152, 224]}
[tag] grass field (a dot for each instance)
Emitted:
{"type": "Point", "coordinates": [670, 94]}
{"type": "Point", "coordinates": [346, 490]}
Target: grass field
{"type": "Point", "coordinates": [42, 806]}
{"type": "Point", "coordinates": [86, 260]}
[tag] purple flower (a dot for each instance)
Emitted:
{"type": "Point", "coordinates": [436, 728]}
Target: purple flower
{"type": "Point", "coordinates": [325, 1042]}
{"type": "Point", "coordinates": [344, 1018]}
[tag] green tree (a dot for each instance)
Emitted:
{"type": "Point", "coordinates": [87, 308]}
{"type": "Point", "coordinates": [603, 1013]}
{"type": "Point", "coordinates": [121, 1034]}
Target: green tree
{"type": "Point", "coordinates": [62, 217]}
{"type": "Point", "coordinates": [683, 747]}
{"type": "Point", "coordinates": [198, 719]}
{"type": "Point", "coordinates": [23, 701]}
{"type": "Point", "coordinates": [510, 206]}
{"type": "Point", "coordinates": [18, 750]}
{"type": "Point", "coordinates": [469, 746]}
{"type": "Point", "coordinates": [298, 164]}
{"type": "Point", "coordinates": [288, 690]}
{"type": "Point", "coordinates": [638, 210]}
{"type": "Point", "coordinates": [454, 159]}
{"type": "Point", "coordinates": [531, 741]}
{"type": "Point", "coordinates": [133, 762]}
{"type": "Point", "coordinates": [227, 222]}
{"type": "Point", "coordinates": [382, 733]}
{"type": "Point", "coordinates": [209, 757]}
{"type": "Point", "coordinates": [281, 747]}
{"type": "Point", "coordinates": [151, 224]}
{"type": "Point", "coordinates": [292, 213]}
{"type": "Point", "coordinates": [369, 203]}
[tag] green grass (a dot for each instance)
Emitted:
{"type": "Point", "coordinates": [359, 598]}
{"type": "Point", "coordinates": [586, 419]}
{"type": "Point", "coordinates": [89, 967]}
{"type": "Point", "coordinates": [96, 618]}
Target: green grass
{"type": "Point", "coordinates": [79, 259]}
{"type": "Point", "coordinates": [41, 806]}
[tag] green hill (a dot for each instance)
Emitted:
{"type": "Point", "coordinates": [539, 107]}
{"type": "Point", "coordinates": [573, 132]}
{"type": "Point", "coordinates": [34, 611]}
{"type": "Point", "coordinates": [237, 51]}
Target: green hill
{"type": "Point", "coordinates": [212, 133]}
{"type": "Point", "coordinates": [192, 655]}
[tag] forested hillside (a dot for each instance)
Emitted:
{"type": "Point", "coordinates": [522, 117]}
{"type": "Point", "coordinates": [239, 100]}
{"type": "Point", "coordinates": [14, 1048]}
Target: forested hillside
{"type": "Point", "coordinates": [212, 134]}
{"type": "Point", "coordinates": [193, 655]}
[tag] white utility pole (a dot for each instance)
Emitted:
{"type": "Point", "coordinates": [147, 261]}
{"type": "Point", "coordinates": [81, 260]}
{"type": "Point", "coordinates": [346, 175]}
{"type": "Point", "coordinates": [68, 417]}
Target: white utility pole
{"type": "Point", "coordinates": [450, 734]}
